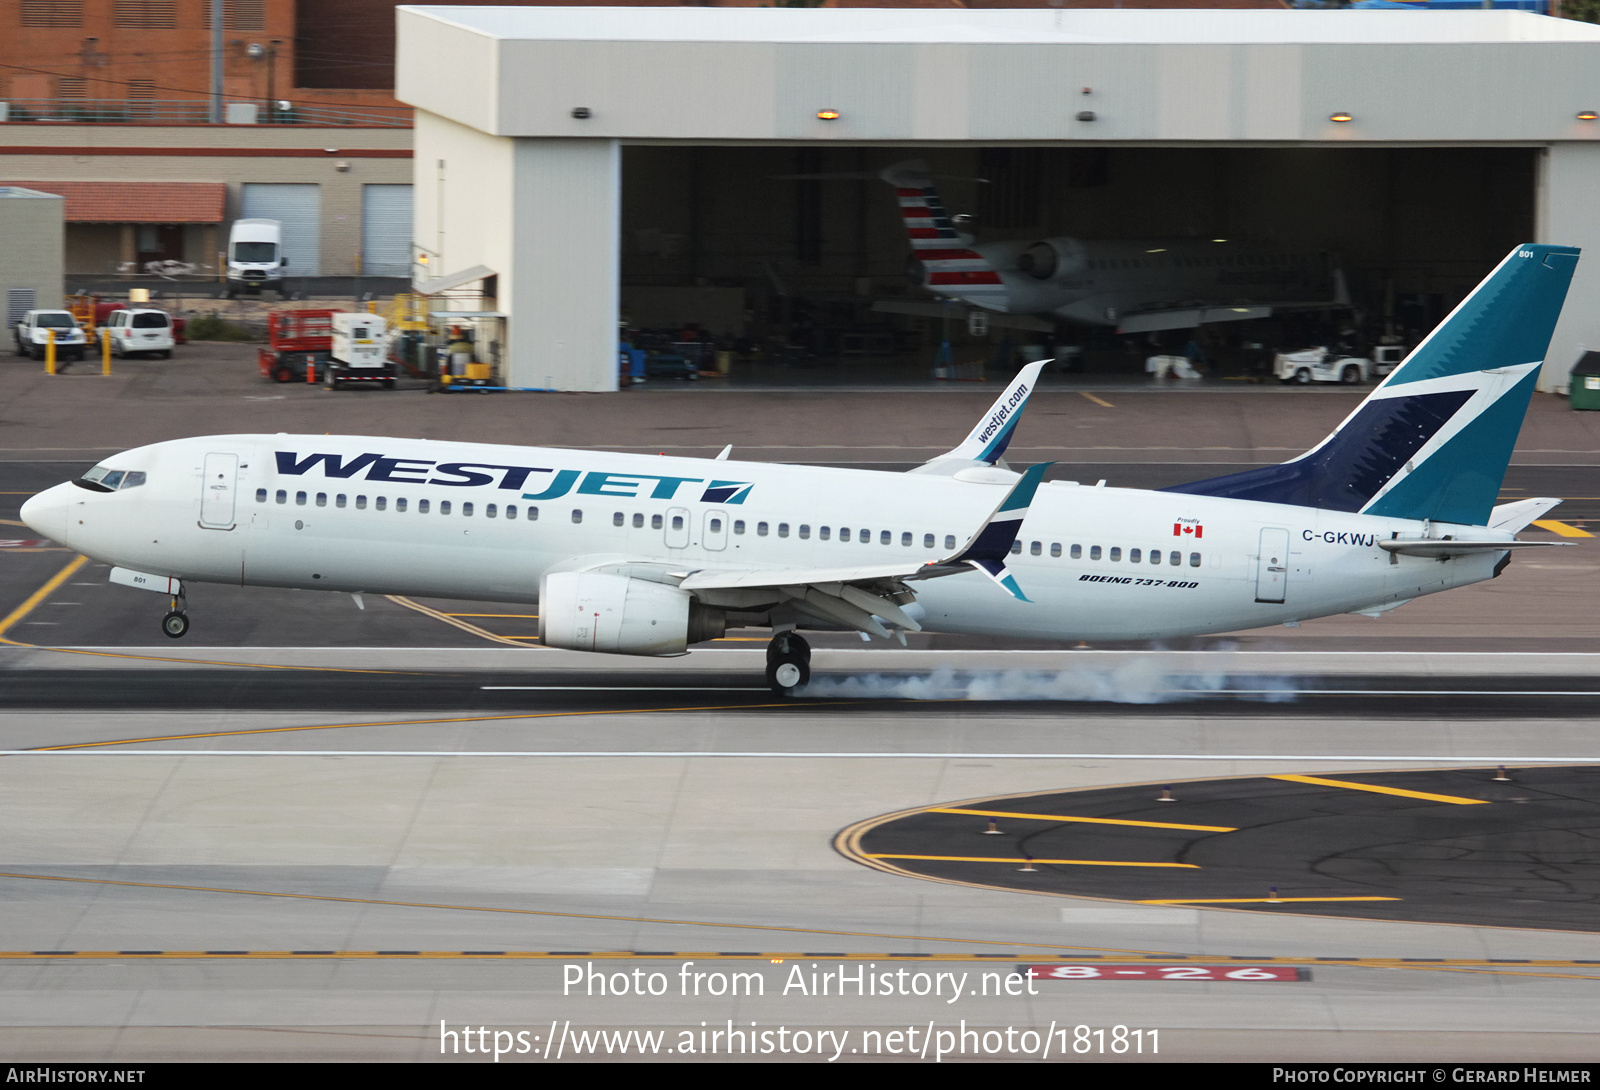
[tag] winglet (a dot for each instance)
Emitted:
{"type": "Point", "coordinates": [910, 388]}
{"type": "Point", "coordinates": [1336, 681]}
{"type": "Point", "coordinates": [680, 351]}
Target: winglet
{"type": "Point", "coordinates": [987, 549]}
{"type": "Point", "coordinates": [989, 439]}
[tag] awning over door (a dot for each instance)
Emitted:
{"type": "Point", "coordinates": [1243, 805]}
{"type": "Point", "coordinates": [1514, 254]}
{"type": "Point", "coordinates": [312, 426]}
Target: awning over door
{"type": "Point", "coordinates": [137, 202]}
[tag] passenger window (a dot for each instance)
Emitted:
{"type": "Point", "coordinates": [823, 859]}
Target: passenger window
{"type": "Point", "coordinates": [491, 511]}
{"type": "Point", "coordinates": [825, 532]}
{"type": "Point", "coordinates": [1094, 552]}
{"type": "Point", "coordinates": [1194, 560]}
{"type": "Point", "coordinates": [885, 537]}
{"type": "Point", "coordinates": [761, 529]}
{"type": "Point", "coordinates": [1155, 556]}
{"type": "Point", "coordinates": [805, 530]}
{"type": "Point", "coordinates": [444, 508]}
{"type": "Point", "coordinates": [400, 503]}
{"type": "Point", "coordinates": [638, 519]}
{"type": "Point", "coordinates": [577, 515]}
{"type": "Point", "coordinates": [361, 503]}
{"type": "Point", "coordinates": [322, 499]}
{"type": "Point", "coordinates": [677, 520]}
{"type": "Point", "coordinates": [844, 533]}
{"type": "Point", "coordinates": [1175, 559]}
{"type": "Point", "coordinates": [927, 541]}
{"type": "Point", "coordinates": [905, 540]}
{"type": "Point", "coordinates": [655, 522]}
{"type": "Point", "coordinates": [422, 507]}
{"type": "Point", "coordinates": [949, 541]}
{"type": "Point", "coordinates": [716, 526]}
{"type": "Point", "coordinates": [511, 511]}
{"type": "Point", "coordinates": [532, 515]}
{"type": "Point", "coordinates": [1055, 548]}
{"type": "Point", "coordinates": [1116, 553]}
{"type": "Point", "coordinates": [616, 519]}
{"type": "Point", "coordinates": [466, 510]}
{"type": "Point", "coordinates": [339, 500]}
{"type": "Point", "coordinates": [381, 502]}
{"type": "Point", "coordinates": [738, 526]}
{"type": "Point", "coordinates": [261, 495]}
{"type": "Point", "coordinates": [300, 499]}
{"type": "Point", "coordinates": [783, 529]}
{"type": "Point", "coordinates": [1135, 556]}
{"type": "Point", "coordinates": [1016, 548]}
{"type": "Point", "coordinates": [866, 537]}
{"type": "Point", "coordinates": [1077, 552]}
{"type": "Point", "coordinates": [1035, 549]}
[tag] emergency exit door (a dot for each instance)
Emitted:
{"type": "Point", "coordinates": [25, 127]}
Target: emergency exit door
{"type": "Point", "coordinates": [715, 536]}
{"type": "Point", "coordinates": [1272, 566]}
{"type": "Point", "coordinates": [677, 529]}
{"type": "Point", "coordinates": [217, 486]}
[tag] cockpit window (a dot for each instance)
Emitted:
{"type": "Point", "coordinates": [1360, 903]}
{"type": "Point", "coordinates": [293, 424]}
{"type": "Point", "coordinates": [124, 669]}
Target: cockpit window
{"type": "Point", "coordinates": [106, 479]}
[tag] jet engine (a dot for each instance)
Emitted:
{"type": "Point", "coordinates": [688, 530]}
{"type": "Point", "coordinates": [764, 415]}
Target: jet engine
{"type": "Point", "coordinates": [592, 611]}
{"type": "Point", "coordinates": [1052, 259]}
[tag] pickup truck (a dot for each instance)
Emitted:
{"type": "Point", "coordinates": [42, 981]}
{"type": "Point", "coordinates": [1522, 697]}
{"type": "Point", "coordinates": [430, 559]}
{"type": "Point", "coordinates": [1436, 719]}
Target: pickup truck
{"type": "Point", "coordinates": [33, 334]}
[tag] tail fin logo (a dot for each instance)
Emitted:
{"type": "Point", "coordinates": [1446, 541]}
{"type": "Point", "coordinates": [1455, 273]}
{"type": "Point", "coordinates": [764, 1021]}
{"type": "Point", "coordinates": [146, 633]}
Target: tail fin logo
{"type": "Point", "coordinates": [952, 267]}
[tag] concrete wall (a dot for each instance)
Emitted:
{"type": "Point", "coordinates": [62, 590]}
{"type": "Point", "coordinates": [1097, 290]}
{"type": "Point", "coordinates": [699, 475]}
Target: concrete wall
{"type": "Point", "coordinates": [1569, 214]}
{"type": "Point", "coordinates": [31, 246]}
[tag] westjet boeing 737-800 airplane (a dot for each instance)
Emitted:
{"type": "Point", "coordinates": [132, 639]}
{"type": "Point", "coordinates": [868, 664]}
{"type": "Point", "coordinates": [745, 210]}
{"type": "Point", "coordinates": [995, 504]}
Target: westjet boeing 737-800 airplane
{"type": "Point", "coordinates": [639, 555]}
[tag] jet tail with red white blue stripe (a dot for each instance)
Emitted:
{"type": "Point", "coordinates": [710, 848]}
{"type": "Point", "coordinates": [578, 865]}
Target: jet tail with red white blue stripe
{"type": "Point", "coordinates": [950, 265]}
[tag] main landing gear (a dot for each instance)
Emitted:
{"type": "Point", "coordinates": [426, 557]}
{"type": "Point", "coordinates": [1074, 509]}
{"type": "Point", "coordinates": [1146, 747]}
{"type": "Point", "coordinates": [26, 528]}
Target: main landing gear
{"type": "Point", "coordinates": [175, 625]}
{"type": "Point", "coordinates": [788, 663]}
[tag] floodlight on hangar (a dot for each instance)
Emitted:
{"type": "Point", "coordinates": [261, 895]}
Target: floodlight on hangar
{"type": "Point", "coordinates": [1587, 115]}
{"type": "Point", "coordinates": [1341, 116]}
{"type": "Point", "coordinates": [827, 115]}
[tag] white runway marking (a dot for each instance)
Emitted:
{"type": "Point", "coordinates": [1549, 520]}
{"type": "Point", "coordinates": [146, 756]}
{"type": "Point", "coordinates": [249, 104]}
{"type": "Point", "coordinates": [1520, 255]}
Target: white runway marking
{"type": "Point", "coordinates": [624, 689]}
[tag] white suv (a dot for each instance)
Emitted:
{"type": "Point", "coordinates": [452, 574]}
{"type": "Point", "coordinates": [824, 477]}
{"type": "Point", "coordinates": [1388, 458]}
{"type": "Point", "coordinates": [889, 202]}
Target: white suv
{"type": "Point", "coordinates": [135, 331]}
{"type": "Point", "coordinates": [33, 334]}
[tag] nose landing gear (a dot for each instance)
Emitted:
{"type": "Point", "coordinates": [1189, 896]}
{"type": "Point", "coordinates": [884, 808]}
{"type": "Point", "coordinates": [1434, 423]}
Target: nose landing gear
{"type": "Point", "coordinates": [175, 625]}
{"type": "Point", "coordinates": [788, 663]}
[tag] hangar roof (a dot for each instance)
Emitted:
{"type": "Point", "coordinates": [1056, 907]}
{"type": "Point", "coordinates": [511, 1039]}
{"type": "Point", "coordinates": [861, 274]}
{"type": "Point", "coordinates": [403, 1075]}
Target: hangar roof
{"type": "Point", "coordinates": [1191, 26]}
{"type": "Point", "coordinates": [906, 76]}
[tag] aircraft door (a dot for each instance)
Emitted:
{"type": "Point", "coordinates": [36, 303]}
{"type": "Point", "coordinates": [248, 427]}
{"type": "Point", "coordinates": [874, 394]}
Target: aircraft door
{"type": "Point", "coordinates": [1272, 565]}
{"type": "Point", "coordinates": [677, 529]}
{"type": "Point", "coordinates": [217, 486]}
{"type": "Point", "coordinates": [715, 534]}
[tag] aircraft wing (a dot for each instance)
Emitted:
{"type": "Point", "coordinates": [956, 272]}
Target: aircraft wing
{"type": "Point", "coordinates": [1155, 321]}
{"type": "Point", "coordinates": [856, 596]}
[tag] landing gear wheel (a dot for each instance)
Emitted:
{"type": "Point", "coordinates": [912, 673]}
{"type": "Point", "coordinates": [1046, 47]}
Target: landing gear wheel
{"type": "Point", "coordinates": [787, 672]}
{"type": "Point", "coordinates": [789, 642]}
{"type": "Point", "coordinates": [175, 625]}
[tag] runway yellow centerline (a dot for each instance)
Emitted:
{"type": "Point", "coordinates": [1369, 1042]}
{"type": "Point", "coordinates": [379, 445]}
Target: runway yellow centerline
{"type": "Point", "coordinates": [32, 601]}
{"type": "Point", "coordinates": [429, 611]}
{"type": "Point", "coordinates": [1562, 528]}
{"type": "Point", "coordinates": [1085, 820]}
{"type": "Point", "coordinates": [400, 723]}
{"type": "Point", "coordinates": [1096, 400]}
{"type": "Point", "coordinates": [1377, 790]}
{"type": "Point", "coordinates": [1014, 859]}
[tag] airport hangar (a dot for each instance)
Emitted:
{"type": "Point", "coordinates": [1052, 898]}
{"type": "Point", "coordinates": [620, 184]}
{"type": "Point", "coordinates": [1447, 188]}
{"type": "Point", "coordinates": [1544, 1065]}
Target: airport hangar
{"type": "Point", "coordinates": [571, 161]}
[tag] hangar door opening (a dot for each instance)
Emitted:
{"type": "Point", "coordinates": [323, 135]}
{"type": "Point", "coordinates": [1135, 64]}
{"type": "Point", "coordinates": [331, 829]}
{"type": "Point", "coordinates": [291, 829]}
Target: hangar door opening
{"type": "Point", "coordinates": [800, 263]}
{"type": "Point", "coordinates": [296, 205]}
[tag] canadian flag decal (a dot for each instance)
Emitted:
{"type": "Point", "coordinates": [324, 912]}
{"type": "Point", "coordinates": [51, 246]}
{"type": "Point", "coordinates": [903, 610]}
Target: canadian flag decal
{"type": "Point", "coordinates": [1193, 529]}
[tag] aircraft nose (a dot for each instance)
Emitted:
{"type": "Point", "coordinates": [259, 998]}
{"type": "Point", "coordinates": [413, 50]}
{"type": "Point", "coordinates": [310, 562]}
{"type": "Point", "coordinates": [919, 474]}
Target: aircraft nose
{"type": "Point", "coordinates": [46, 513]}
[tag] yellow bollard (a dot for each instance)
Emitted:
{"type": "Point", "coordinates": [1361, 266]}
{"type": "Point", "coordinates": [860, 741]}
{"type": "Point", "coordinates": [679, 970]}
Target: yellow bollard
{"type": "Point", "coordinates": [105, 350]}
{"type": "Point", "coordinates": [50, 352]}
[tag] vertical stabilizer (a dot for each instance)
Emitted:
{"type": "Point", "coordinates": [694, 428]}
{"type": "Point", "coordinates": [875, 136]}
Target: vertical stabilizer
{"type": "Point", "coordinates": [1433, 441]}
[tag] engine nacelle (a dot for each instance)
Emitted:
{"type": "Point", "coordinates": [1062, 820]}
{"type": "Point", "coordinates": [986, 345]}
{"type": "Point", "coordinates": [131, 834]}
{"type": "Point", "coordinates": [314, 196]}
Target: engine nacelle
{"type": "Point", "coordinates": [591, 611]}
{"type": "Point", "coordinates": [1052, 259]}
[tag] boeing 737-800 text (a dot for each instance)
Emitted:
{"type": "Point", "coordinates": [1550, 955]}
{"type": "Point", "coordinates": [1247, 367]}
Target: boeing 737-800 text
{"type": "Point", "coordinates": [632, 554]}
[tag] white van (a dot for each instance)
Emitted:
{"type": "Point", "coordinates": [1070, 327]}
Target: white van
{"type": "Point", "coordinates": [135, 331]}
{"type": "Point", "coordinates": [255, 255]}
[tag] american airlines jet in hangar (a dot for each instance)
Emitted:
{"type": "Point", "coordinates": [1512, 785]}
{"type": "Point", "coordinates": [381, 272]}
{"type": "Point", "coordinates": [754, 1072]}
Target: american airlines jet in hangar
{"type": "Point", "coordinates": [639, 555]}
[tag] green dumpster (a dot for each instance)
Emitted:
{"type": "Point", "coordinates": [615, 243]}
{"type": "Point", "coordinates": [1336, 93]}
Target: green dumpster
{"type": "Point", "coordinates": [1585, 382]}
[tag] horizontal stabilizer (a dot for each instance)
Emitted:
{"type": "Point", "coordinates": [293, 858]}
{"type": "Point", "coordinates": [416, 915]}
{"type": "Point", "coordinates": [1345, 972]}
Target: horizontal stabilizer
{"type": "Point", "coordinates": [1441, 549]}
{"type": "Point", "coordinates": [1518, 514]}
